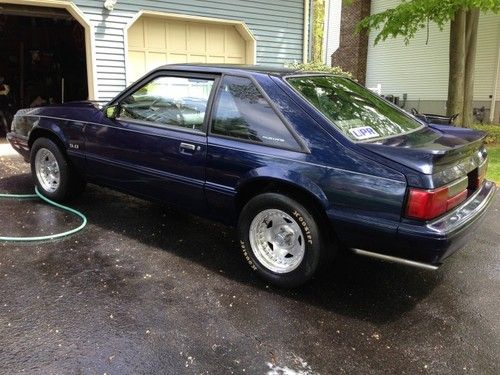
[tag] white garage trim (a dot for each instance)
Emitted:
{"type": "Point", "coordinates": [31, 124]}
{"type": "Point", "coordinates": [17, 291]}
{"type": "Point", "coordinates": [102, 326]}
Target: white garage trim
{"type": "Point", "coordinates": [241, 27]}
{"type": "Point", "coordinates": [82, 20]}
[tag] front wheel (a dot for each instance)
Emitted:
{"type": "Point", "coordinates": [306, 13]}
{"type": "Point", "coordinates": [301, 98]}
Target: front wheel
{"type": "Point", "coordinates": [280, 239]}
{"type": "Point", "coordinates": [55, 177]}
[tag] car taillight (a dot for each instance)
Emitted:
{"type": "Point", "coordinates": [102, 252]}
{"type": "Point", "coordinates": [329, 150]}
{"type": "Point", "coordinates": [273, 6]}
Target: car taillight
{"type": "Point", "coordinates": [428, 204]}
{"type": "Point", "coordinates": [481, 173]}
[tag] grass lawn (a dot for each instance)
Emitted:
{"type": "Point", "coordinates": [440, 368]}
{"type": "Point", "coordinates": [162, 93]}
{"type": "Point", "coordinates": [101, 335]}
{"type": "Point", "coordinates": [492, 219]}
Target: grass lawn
{"type": "Point", "coordinates": [494, 163]}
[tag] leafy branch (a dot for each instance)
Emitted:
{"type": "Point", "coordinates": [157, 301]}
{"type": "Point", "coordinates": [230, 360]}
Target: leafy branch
{"type": "Point", "coordinates": [411, 16]}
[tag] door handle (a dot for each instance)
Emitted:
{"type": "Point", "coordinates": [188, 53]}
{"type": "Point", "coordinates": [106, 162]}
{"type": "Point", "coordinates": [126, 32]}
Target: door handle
{"type": "Point", "coordinates": [187, 148]}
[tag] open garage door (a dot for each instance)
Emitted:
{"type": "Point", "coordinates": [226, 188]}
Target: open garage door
{"type": "Point", "coordinates": [158, 40]}
{"type": "Point", "coordinates": [43, 58]}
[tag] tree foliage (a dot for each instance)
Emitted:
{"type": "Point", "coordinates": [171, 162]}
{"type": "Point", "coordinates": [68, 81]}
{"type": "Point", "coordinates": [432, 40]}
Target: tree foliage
{"type": "Point", "coordinates": [411, 16]}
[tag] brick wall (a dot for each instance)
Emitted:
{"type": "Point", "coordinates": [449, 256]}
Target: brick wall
{"type": "Point", "coordinates": [352, 52]}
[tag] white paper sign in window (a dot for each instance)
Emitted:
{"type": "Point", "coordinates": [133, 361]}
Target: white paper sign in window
{"type": "Point", "coordinates": [364, 132]}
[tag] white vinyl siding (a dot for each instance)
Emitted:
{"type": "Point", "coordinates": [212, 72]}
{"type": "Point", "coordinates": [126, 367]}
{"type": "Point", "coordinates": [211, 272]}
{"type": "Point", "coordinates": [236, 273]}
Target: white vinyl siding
{"type": "Point", "coordinates": [276, 25]}
{"type": "Point", "coordinates": [420, 69]}
{"type": "Point", "coordinates": [487, 53]}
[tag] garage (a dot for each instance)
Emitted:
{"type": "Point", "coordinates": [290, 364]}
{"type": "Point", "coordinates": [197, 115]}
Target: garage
{"type": "Point", "coordinates": [155, 40]}
{"type": "Point", "coordinates": [43, 58]}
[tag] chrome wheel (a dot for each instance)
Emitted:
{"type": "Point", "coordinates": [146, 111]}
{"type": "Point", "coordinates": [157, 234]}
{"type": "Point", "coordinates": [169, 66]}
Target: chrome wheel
{"type": "Point", "coordinates": [277, 240]}
{"type": "Point", "coordinates": [47, 170]}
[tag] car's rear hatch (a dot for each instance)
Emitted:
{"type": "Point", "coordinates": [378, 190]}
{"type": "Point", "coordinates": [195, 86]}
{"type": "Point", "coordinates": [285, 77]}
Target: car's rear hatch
{"type": "Point", "coordinates": [432, 149]}
{"type": "Point", "coordinates": [442, 153]}
{"type": "Point", "coordinates": [452, 160]}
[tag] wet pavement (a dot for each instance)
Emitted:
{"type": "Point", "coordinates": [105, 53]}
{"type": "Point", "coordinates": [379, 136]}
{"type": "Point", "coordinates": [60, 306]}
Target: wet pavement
{"type": "Point", "coordinates": [150, 290]}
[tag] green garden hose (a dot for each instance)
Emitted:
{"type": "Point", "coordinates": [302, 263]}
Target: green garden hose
{"type": "Point", "coordinates": [55, 204]}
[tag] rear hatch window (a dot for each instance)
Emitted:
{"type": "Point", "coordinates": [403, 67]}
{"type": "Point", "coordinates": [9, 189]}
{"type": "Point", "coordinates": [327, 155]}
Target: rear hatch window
{"type": "Point", "coordinates": [354, 110]}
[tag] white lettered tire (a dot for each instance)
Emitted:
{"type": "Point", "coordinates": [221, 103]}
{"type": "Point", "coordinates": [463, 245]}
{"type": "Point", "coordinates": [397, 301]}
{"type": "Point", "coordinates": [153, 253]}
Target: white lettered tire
{"type": "Point", "coordinates": [280, 239]}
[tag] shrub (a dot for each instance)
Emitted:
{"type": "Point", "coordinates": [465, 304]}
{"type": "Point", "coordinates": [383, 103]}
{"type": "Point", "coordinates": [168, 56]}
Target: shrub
{"type": "Point", "coordinates": [319, 67]}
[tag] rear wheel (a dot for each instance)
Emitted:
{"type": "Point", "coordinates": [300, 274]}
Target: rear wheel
{"type": "Point", "coordinates": [55, 177]}
{"type": "Point", "coordinates": [280, 239]}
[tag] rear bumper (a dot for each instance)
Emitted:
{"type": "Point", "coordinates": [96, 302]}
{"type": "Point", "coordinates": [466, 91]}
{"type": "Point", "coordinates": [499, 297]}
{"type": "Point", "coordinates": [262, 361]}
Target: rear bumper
{"type": "Point", "coordinates": [424, 244]}
{"type": "Point", "coordinates": [434, 241]}
{"type": "Point", "coordinates": [20, 144]}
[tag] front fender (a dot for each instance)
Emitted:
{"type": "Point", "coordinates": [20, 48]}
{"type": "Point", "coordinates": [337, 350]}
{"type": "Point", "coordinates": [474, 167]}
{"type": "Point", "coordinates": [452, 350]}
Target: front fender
{"type": "Point", "coordinates": [45, 126]}
{"type": "Point", "coordinates": [26, 127]}
{"type": "Point", "coordinates": [66, 134]}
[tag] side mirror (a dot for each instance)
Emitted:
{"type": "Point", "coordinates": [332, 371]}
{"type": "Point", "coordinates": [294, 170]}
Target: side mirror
{"type": "Point", "coordinates": [112, 111]}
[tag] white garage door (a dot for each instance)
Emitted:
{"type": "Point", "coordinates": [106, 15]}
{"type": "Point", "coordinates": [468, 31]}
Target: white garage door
{"type": "Point", "coordinates": [156, 41]}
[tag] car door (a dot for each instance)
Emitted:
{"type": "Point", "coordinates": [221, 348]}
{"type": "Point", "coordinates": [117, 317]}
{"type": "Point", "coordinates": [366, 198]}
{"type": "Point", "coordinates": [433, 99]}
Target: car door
{"type": "Point", "coordinates": [246, 133]}
{"type": "Point", "coordinates": [156, 146]}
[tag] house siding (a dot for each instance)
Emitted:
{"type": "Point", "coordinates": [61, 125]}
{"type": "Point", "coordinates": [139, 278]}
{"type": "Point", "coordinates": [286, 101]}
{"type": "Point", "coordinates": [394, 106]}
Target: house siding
{"type": "Point", "coordinates": [421, 70]}
{"type": "Point", "coordinates": [277, 27]}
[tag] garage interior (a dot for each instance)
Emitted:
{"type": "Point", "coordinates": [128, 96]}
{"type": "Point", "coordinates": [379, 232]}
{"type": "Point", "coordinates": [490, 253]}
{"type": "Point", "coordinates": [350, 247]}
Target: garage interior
{"type": "Point", "coordinates": [43, 58]}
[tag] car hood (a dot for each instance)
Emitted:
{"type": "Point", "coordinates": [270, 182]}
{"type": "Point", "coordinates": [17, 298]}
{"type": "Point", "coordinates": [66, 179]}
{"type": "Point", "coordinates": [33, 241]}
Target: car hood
{"type": "Point", "coordinates": [77, 111]}
{"type": "Point", "coordinates": [431, 149]}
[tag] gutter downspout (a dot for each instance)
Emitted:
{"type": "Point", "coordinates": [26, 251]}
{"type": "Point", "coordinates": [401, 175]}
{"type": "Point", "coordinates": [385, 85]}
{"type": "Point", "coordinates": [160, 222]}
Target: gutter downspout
{"type": "Point", "coordinates": [305, 41]}
{"type": "Point", "coordinates": [332, 25]}
{"type": "Point", "coordinates": [326, 33]}
{"type": "Point", "coordinates": [495, 85]}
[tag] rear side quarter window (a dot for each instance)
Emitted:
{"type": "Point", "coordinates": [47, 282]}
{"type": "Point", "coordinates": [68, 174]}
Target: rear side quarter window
{"type": "Point", "coordinates": [354, 110]}
{"type": "Point", "coordinates": [242, 112]}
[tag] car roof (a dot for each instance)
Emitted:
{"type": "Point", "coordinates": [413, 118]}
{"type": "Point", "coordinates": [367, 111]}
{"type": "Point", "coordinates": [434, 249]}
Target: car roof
{"type": "Point", "coordinates": [229, 68]}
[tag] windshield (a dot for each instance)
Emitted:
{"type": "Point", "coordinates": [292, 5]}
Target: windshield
{"type": "Point", "coordinates": [355, 110]}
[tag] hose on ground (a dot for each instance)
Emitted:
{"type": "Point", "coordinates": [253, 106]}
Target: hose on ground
{"type": "Point", "coordinates": [49, 237]}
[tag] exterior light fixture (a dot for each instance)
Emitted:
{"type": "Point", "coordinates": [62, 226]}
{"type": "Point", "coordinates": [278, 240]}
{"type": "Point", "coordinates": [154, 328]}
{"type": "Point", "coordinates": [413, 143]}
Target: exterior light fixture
{"type": "Point", "coordinates": [109, 4]}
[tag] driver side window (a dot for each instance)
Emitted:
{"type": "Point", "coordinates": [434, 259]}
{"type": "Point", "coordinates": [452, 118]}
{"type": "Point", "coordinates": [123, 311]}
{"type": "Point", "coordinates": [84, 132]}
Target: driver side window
{"type": "Point", "coordinates": [169, 101]}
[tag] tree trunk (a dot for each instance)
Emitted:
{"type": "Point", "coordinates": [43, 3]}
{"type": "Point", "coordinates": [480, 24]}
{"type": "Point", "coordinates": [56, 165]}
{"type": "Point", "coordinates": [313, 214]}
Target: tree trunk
{"type": "Point", "coordinates": [472, 22]}
{"type": "Point", "coordinates": [457, 66]}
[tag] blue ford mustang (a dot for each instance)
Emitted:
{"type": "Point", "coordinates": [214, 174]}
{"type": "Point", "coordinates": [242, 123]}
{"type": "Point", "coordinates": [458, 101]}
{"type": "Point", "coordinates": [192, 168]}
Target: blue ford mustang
{"type": "Point", "coordinates": [303, 163]}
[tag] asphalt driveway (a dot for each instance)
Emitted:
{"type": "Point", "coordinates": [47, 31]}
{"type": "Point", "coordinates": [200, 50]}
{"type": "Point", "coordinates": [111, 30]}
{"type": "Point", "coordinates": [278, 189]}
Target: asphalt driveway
{"type": "Point", "coordinates": [149, 290]}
